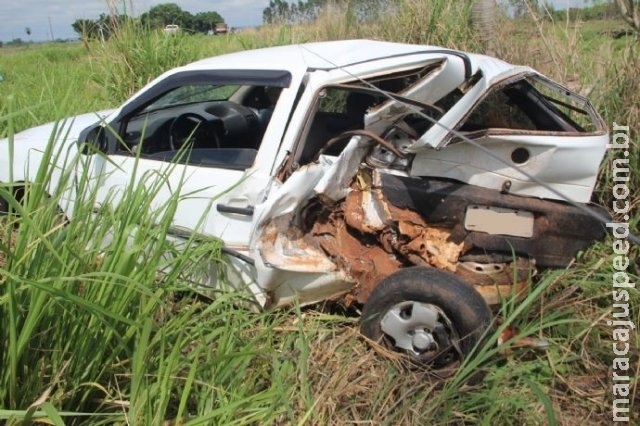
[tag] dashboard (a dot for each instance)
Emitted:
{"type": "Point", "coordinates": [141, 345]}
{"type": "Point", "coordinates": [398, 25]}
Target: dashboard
{"type": "Point", "coordinates": [200, 125]}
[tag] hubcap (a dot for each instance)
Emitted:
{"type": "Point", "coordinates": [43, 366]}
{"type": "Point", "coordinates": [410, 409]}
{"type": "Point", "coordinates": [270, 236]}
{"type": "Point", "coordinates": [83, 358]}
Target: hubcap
{"type": "Point", "coordinates": [421, 329]}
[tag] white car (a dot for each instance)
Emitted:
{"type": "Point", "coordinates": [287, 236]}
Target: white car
{"type": "Point", "coordinates": [418, 181]}
{"type": "Point", "coordinates": [172, 29]}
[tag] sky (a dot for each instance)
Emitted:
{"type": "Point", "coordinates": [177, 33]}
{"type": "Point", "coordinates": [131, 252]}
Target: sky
{"type": "Point", "coordinates": [16, 15]}
{"type": "Point", "coordinates": [54, 17]}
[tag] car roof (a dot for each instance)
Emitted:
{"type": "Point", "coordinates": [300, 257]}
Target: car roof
{"type": "Point", "coordinates": [324, 55]}
{"type": "Point", "coordinates": [329, 55]}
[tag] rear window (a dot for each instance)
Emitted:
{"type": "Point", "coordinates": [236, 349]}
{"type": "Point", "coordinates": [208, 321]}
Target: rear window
{"type": "Point", "coordinates": [532, 104]}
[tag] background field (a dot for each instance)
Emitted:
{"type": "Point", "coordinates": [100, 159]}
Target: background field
{"type": "Point", "coordinates": [90, 338]}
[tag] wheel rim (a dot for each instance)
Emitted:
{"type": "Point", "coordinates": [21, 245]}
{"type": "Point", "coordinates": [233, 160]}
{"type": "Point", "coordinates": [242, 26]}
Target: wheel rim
{"type": "Point", "coordinates": [423, 331]}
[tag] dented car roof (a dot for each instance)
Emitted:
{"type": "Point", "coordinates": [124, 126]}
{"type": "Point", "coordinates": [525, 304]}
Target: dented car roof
{"type": "Point", "coordinates": [332, 55]}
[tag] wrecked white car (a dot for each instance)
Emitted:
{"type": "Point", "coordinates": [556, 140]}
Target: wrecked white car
{"type": "Point", "coordinates": [421, 182]}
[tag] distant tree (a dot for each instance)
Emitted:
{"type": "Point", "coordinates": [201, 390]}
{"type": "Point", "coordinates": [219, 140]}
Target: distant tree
{"type": "Point", "coordinates": [84, 27]}
{"type": "Point", "coordinates": [277, 11]}
{"type": "Point", "coordinates": [101, 28]}
{"type": "Point", "coordinates": [281, 11]}
{"type": "Point", "coordinates": [205, 21]}
{"type": "Point", "coordinates": [164, 14]}
{"type": "Point", "coordinates": [157, 17]}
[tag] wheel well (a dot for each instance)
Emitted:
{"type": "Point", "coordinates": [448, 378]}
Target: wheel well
{"type": "Point", "coordinates": [17, 191]}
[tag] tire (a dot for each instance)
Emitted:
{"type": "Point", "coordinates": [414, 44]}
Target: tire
{"type": "Point", "coordinates": [430, 314]}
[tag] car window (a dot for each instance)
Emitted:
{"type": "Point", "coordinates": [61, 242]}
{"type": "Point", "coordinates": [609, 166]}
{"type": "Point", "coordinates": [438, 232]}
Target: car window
{"type": "Point", "coordinates": [193, 93]}
{"type": "Point", "coordinates": [343, 107]}
{"type": "Point", "coordinates": [202, 124]}
{"type": "Point", "coordinates": [572, 108]}
{"type": "Point", "coordinates": [499, 110]}
{"type": "Point", "coordinates": [338, 109]}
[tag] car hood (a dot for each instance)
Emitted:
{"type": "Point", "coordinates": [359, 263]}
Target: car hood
{"type": "Point", "coordinates": [20, 159]}
{"type": "Point", "coordinates": [66, 130]}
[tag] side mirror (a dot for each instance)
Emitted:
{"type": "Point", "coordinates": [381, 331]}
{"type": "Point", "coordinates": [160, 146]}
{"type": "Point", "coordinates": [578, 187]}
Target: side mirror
{"type": "Point", "coordinates": [93, 139]}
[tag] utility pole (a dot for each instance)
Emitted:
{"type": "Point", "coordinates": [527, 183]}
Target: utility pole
{"type": "Point", "coordinates": [50, 28]}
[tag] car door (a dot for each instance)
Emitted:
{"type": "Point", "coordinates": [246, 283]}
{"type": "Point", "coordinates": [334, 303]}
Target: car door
{"type": "Point", "coordinates": [217, 190]}
{"type": "Point", "coordinates": [212, 201]}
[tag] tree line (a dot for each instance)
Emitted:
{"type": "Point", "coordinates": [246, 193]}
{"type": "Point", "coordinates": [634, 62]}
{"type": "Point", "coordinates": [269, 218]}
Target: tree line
{"type": "Point", "coordinates": [156, 18]}
{"type": "Point", "coordinates": [285, 12]}
{"type": "Point", "coordinates": [291, 12]}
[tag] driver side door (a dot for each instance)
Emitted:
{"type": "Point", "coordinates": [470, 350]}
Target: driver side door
{"type": "Point", "coordinates": [217, 189]}
{"type": "Point", "coordinates": [212, 201]}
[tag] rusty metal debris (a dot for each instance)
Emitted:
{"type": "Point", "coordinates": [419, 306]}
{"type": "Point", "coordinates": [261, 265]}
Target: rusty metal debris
{"type": "Point", "coordinates": [369, 238]}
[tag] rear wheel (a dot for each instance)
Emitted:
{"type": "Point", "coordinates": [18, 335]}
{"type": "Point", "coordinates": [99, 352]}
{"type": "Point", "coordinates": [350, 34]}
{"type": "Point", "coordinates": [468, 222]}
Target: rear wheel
{"type": "Point", "coordinates": [429, 314]}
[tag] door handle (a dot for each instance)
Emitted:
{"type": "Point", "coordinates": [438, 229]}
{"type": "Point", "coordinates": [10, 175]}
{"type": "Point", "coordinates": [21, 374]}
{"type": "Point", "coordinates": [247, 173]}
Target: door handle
{"type": "Point", "coordinates": [244, 211]}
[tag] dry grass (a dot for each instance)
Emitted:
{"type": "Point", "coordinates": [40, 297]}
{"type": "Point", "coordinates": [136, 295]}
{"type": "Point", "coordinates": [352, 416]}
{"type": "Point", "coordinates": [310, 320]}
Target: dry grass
{"type": "Point", "coordinates": [12, 234]}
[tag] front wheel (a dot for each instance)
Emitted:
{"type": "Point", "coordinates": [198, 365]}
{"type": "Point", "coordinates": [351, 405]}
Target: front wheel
{"type": "Point", "coordinates": [429, 314]}
{"type": "Point", "coordinates": [4, 206]}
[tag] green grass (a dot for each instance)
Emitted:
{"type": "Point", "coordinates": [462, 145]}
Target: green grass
{"type": "Point", "coordinates": [91, 333]}
{"type": "Point", "coordinates": [93, 328]}
{"type": "Point", "coordinates": [38, 87]}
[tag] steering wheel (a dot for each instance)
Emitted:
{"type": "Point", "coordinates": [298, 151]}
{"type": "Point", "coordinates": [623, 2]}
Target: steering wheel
{"type": "Point", "coordinates": [191, 127]}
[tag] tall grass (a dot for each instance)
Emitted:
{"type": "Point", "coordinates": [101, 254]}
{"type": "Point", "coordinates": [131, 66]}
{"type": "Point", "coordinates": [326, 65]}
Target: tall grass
{"type": "Point", "coordinates": [91, 327]}
{"type": "Point", "coordinates": [134, 55]}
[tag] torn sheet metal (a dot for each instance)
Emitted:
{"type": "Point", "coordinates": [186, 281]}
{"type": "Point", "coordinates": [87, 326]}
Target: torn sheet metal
{"type": "Point", "coordinates": [362, 235]}
{"type": "Point", "coordinates": [364, 238]}
{"type": "Point", "coordinates": [334, 184]}
{"type": "Point", "coordinates": [438, 135]}
{"type": "Point", "coordinates": [449, 74]}
{"type": "Point", "coordinates": [285, 246]}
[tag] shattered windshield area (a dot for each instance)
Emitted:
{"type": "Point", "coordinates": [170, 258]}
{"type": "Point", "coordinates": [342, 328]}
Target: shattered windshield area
{"type": "Point", "coordinates": [397, 98]}
{"type": "Point", "coordinates": [532, 104]}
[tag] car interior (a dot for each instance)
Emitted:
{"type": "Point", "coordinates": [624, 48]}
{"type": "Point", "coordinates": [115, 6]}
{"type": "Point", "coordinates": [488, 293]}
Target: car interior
{"type": "Point", "coordinates": [203, 124]}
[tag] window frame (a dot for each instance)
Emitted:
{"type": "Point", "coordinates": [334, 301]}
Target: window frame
{"type": "Point", "coordinates": [549, 106]}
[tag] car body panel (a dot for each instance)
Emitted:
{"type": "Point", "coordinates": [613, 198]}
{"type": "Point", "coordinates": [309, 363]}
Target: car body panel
{"type": "Point", "coordinates": [564, 162]}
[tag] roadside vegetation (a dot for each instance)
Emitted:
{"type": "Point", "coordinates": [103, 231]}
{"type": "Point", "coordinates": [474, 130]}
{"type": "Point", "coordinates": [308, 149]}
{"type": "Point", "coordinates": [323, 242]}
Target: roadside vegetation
{"type": "Point", "coordinates": [92, 333]}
